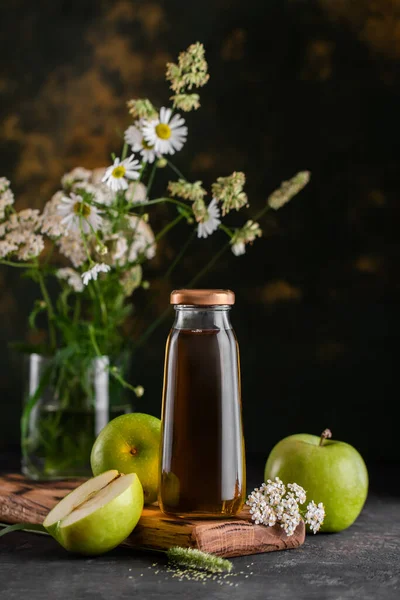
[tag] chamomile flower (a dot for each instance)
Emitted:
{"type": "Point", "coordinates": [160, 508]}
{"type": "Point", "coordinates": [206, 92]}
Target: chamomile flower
{"type": "Point", "coordinates": [210, 221]}
{"type": "Point", "coordinates": [165, 134]}
{"type": "Point", "coordinates": [134, 137]}
{"type": "Point", "coordinates": [77, 214]}
{"type": "Point", "coordinates": [117, 175]}
{"type": "Point", "coordinates": [93, 272]}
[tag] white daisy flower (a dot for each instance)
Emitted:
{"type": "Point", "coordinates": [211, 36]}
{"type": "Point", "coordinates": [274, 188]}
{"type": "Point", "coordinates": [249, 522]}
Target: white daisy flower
{"type": "Point", "coordinates": [166, 135]}
{"type": "Point", "coordinates": [134, 137]}
{"type": "Point", "coordinates": [210, 221]}
{"type": "Point", "coordinates": [76, 213]}
{"type": "Point", "coordinates": [93, 273]}
{"type": "Point", "coordinates": [72, 277]}
{"type": "Point", "coordinates": [116, 176]}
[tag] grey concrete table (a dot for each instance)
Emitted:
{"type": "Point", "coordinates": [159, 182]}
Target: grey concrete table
{"type": "Point", "coordinates": [362, 562]}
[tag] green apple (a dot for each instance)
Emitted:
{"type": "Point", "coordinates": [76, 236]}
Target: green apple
{"type": "Point", "coordinates": [130, 443]}
{"type": "Point", "coordinates": [98, 515]}
{"type": "Point", "coordinates": [331, 472]}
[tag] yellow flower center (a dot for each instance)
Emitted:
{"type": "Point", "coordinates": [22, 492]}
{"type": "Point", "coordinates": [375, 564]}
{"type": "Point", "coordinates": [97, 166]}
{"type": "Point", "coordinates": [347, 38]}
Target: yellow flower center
{"type": "Point", "coordinates": [119, 172]}
{"type": "Point", "coordinates": [82, 209]}
{"type": "Point", "coordinates": [163, 131]}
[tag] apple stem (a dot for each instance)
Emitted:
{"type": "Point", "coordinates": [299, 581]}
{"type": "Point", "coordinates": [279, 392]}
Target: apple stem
{"type": "Point", "coordinates": [325, 435]}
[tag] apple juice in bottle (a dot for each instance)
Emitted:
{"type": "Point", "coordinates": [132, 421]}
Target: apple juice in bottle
{"type": "Point", "coordinates": [202, 466]}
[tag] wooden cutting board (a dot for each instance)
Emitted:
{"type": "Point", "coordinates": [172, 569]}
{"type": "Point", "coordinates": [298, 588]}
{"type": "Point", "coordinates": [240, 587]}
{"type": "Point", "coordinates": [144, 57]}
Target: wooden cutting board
{"type": "Point", "coordinates": [22, 500]}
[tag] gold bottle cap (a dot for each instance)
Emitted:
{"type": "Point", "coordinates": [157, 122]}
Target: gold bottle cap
{"type": "Point", "coordinates": [202, 297]}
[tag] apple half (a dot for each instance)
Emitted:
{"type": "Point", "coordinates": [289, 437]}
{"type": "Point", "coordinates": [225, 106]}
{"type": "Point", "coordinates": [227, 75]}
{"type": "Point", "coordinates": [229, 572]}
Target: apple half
{"type": "Point", "coordinates": [98, 515]}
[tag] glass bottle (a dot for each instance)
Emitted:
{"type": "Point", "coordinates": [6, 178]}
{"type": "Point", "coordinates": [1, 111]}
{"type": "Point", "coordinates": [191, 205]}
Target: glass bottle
{"type": "Point", "coordinates": [202, 467]}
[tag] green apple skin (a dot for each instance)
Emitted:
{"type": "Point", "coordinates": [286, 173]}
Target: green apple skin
{"type": "Point", "coordinates": [333, 473]}
{"type": "Point", "coordinates": [131, 444]}
{"type": "Point", "coordinates": [105, 528]}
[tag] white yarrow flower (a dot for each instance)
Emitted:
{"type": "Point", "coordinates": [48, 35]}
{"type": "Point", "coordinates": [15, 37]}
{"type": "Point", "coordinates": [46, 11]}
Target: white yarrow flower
{"type": "Point", "coordinates": [99, 193]}
{"type": "Point", "coordinates": [290, 522]}
{"type": "Point", "coordinates": [77, 214]}
{"type": "Point", "coordinates": [6, 199]}
{"type": "Point", "coordinates": [94, 271]}
{"type": "Point", "coordinates": [79, 174]}
{"type": "Point", "coordinates": [4, 184]}
{"type": "Point", "coordinates": [274, 491]}
{"type": "Point", "coordinates": [6, 248]}
{"type": "Point", "coordinates": [136, 193]}
{"type": "Point", "coordinates": [71, 246]}
{"type": "Point", "coordinates": [210, 221]}
{"type": "Point", "coordinates": [165, 134]}
{"type": "Point", "coordinates": [116, 176]}
{"type": "Point", "coordinates": [298, 491]}
{"type": "Point", "coordinates": [51, 222]}
{"type": "Point", "coordinates": [271, 504]}
{"type": "Point", "coordinates": [72, 277]}
{"type": "Point", "coordinates": [315, 515]}
{"type": "Point", "coordinates": [134, 137]}
{"type": "Point", "coordinates": [261, 512]}
{"type": "Point", "coordinates": [143, 239]}
{"type": "Point", "coordinates": [20, 237]}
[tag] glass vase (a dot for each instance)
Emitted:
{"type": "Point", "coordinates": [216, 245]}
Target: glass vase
{"type": "Point", "coordinates": [65, 407]}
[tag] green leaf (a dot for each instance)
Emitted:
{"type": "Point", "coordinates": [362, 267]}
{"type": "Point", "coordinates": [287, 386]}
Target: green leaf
{"type": "Point", "coordinates": [31, 527]}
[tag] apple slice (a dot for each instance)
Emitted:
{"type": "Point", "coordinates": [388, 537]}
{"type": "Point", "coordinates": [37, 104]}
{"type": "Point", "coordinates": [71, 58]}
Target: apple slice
{"type": "Point", "coordinates": [98, 515]}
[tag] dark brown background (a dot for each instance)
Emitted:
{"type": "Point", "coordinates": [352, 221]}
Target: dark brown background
{"type": "Point", "coordinates": [294, 84]}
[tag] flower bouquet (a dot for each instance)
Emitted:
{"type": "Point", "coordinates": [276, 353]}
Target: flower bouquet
{"type": "Point", "coordinates": [93, 238]}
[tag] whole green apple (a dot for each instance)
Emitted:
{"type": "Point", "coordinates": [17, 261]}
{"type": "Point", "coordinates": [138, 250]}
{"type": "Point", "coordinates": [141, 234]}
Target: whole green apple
{"type": "Point", "coordinates": [130, 443]}
{"type": "Point", "coordinates": [98, 515]}
{"type": "Point", "coordinates": [331, 472]}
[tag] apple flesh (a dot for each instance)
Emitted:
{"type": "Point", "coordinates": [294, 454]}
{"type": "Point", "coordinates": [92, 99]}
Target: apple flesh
{"type": "Point", "coordinates": [98, 515]}
{"type": "Point", "coordinates": [330, 471]}
{"type": "Point", "coordinates": [130, 443]}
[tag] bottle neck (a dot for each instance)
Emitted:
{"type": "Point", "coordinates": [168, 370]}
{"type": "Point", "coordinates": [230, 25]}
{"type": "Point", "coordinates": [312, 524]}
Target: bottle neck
{"type": "Point", "coordinates": [202, 317]}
